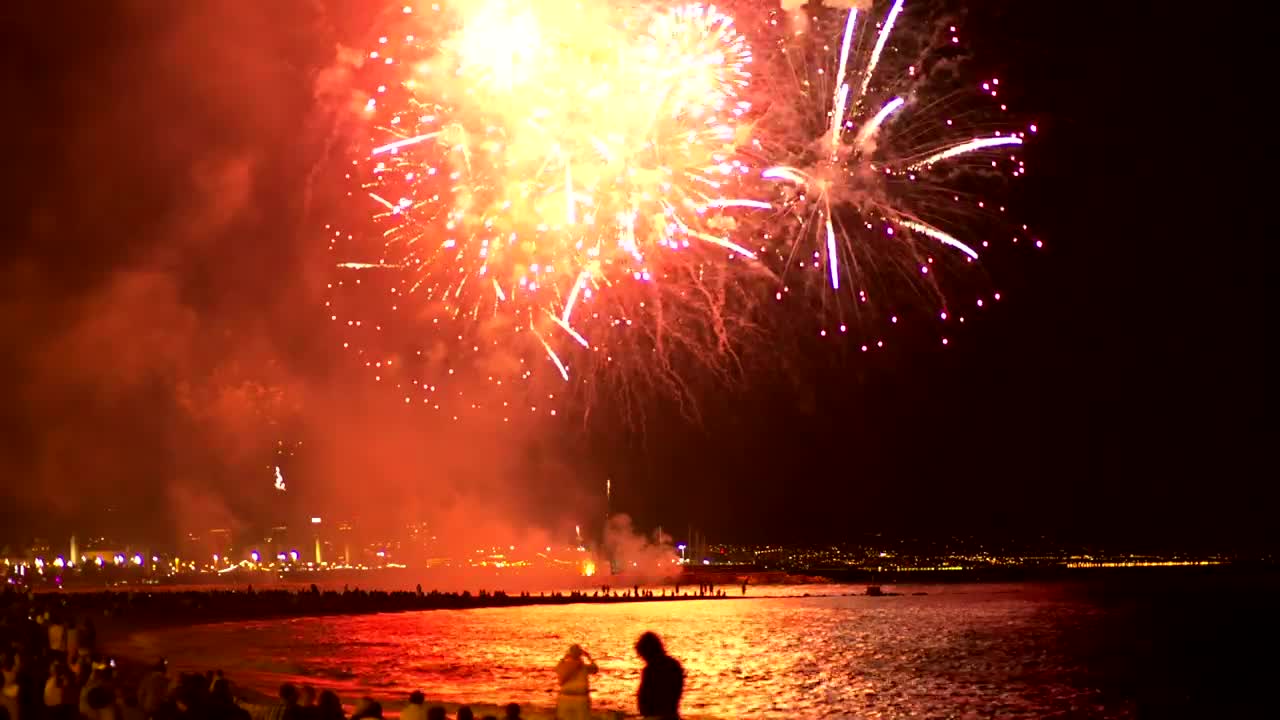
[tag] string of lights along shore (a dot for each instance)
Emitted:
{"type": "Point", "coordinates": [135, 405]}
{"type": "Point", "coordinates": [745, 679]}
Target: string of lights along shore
{"type": "Point", "coordinates": [561, 201]}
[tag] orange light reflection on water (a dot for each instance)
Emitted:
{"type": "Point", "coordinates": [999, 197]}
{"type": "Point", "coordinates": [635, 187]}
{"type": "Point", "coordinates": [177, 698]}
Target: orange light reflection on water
{"type": "Point", "coordinates": [904, 656]}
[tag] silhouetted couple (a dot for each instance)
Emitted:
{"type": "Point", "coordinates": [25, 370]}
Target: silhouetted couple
{"type": "Point", "coordinates": [661, 682]}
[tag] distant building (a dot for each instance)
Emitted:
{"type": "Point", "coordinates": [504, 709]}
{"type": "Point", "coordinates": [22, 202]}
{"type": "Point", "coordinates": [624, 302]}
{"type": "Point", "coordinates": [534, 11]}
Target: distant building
{"type": "Point", "coordinates": [344, 538]}
{"type": "Point", "coordinates": [39, 547]}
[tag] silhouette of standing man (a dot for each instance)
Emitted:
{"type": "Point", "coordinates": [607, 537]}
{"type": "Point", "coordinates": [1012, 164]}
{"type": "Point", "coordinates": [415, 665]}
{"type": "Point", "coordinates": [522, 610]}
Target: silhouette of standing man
{"type": "Point", "coordinates": [661, 681]}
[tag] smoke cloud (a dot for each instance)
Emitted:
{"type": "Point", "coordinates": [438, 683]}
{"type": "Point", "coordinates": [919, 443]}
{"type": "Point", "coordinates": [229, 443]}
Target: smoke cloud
{"type": "Point", "coordinates": [642, 559]}
{"type": "Point", "coordinates": [164, 294]}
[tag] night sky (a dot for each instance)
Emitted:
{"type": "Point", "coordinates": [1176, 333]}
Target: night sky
{"type": "Point", "coordinates": [168, 172]}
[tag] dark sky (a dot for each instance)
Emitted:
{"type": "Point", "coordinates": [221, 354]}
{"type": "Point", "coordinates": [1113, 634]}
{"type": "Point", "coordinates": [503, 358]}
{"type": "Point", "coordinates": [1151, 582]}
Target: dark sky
{"type": "Point", "coordinates": [167, 172]}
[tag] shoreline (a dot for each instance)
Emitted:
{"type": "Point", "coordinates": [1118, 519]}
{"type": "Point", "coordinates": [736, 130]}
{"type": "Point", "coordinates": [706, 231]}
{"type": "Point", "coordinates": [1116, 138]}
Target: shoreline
{"type": "Point", "coordinates": [151, 610]}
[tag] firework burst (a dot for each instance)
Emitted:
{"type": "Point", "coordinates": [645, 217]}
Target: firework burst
{"type": "Point", "coordinates": [560, 186]}
{"type": "Point", "coordinates": [879, 159]}
{"type": "Point", "coordinates": [570, 196]}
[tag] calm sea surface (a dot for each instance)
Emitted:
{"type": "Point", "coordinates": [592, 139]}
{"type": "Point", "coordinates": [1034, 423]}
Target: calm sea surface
{"type": "Point", "coordinates": [961, 651]}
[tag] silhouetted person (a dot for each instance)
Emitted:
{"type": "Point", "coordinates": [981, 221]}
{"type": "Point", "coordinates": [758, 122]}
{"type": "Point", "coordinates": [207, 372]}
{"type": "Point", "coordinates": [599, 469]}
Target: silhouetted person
{"type": "Point", "coordinates": [512, 711]}
{"type": "Point", "coordinates": [102, 704]}
{"type": "Point", "coordinates": [57, 630]}
{"type": "Point", "coordinates": [189, 704]}
{"type": "Point", "coordinates": [661, 681]}
{"type": "Point", "coordinates": [415, 710]}
{"type": "Point", "coordinates": [464, 713]}
{"type": "Point", "coordinates": [307, 700]}
{"type": "Point", "coordinates": [574, 671]}
{"type": "Point", "coordinates": [8, 701]}
{"type": "Point", "coordinates": [87, 635]}
{"type": "Point", "coordinates": [435, 713]}
{"type": "Point", "coordinates": [222, 706]}
{"type": "Point", "coordinates": [59, 690]}
{"type": "Point", "coordinates": [101, 676]}
{"type": "Point", "coordinates": [289, 708]}
{"type": "Point", "coordinates": [154, 690]}
{"type": "Point", "coordinates": [329, 707]}
{"type": "Point", "coordinates": [367, 708]}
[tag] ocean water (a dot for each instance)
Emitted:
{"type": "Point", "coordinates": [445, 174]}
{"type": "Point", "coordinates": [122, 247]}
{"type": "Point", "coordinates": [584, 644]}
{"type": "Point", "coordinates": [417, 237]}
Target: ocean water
{"type": "Point", "coordinates": [1101, 650]}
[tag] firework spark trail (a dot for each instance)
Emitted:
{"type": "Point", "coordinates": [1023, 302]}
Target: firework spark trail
{"type": "Point", "coordinates": [723, 242]}
{"type": "Point", "coordinates": [564, 371]}
{"type": "Point", "coordinates": [873, 126]}
{"type": "Point", "coordinates": [967, 147]}
{"type": "Point", "coordinates": [842, 88]}
{"type": "Point", "coordinates": [885, 32]}
{"type": "Point", "coordinates": [569, 329]}
{"type": "Point", "coordinates": [383, 202]}
{"type": "Point", "coordinates": [392, 147]}
{"type": "Point", "coordinates": [940, 236]}
{"type": "Point", "coordinates": [785, 173]}
{"type": "Point", "coordinates": [738, 202]}
{"type": "Point", "coordinates": [845, 44]}
{"type": "Point", "coordinates": [832, 262]}
{"type": "Point", "coordinates": [573, 295]}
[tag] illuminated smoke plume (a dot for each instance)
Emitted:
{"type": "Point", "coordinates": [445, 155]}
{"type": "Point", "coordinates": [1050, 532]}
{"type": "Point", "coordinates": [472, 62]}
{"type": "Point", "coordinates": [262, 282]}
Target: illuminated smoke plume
{"type": "Point", "coordinates": [638, 558]}
{"type": "Point", "coordinates": [166, 288]}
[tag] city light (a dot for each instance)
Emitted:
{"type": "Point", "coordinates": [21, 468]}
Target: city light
{"type": "Point", "coordinates": [878, 555]}
{"type": "Point", "coordinates": [315, 521]}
